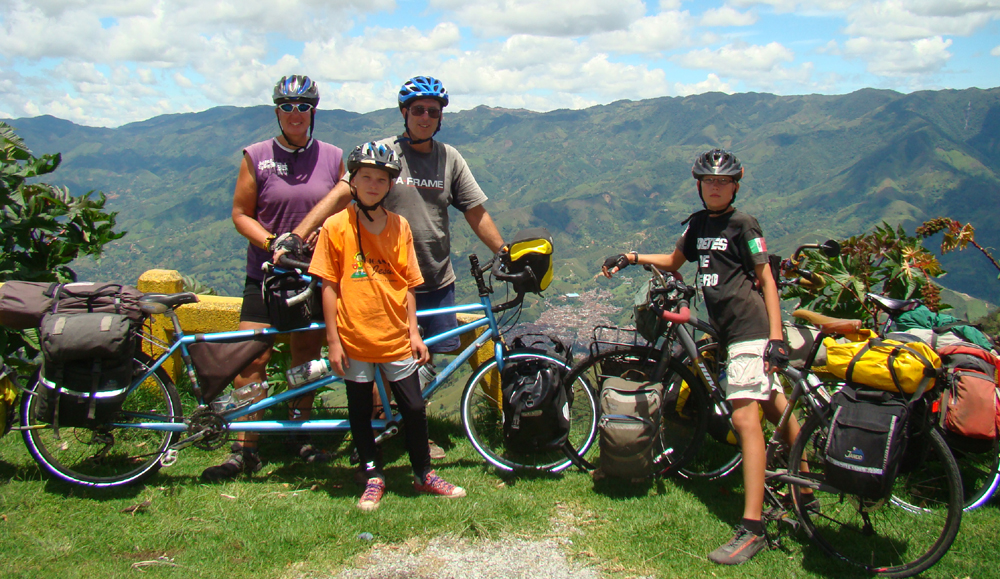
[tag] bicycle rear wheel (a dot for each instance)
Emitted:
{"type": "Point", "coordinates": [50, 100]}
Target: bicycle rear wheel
{"type": "Point", "coordinates": [684, 412]}
{"type": "Point", "coordinates": [896, 537]}
{"type": "Point", "coordinates": [482, 419]}
{"type": "Point", "coordinates": [108, 456]}
{"type": "Point", "coordinates": [979, 463]}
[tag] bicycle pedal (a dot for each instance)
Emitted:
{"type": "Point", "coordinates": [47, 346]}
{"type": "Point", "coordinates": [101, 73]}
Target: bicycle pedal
{"type": "Point", "coordinates": [169, 458]}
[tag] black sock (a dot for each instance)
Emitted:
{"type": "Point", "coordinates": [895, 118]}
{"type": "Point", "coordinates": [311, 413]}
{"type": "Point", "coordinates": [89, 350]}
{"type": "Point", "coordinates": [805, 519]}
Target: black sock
{"type": "Point", "coordinates": [755, 527]}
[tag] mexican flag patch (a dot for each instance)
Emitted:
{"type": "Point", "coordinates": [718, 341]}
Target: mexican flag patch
{"type": "Point", "coordinates": [757, 245]}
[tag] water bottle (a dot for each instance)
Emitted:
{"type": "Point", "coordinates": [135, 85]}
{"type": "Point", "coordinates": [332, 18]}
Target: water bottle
{"type": "Point", "coordinates": [223, 403]}
{"type": "Point", "coordinates": [248, 393]}
{"type": "Point", "coordinates": [308, 372]}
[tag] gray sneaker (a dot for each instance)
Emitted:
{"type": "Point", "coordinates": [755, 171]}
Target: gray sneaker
{"type": "Point", "coordinates": [740, 549]}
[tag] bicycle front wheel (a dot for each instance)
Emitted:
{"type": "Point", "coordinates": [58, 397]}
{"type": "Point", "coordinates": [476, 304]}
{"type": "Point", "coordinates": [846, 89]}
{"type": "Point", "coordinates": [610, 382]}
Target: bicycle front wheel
{"type": "Point", "coordinates": [899, 536]}
{"type": "Point", "coordinates": [482, 419]}
{"type": "Point", "coordinates": [107, 455]}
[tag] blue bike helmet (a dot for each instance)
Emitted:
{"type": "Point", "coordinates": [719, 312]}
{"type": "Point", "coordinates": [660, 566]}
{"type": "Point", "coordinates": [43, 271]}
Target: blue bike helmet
{"type": "Point", "coordinates": [420, 87]}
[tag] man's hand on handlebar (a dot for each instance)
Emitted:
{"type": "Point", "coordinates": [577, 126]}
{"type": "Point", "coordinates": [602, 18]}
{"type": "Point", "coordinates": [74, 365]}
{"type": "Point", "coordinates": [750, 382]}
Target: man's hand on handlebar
{"type": "Point", "coordinates": [615, 263]}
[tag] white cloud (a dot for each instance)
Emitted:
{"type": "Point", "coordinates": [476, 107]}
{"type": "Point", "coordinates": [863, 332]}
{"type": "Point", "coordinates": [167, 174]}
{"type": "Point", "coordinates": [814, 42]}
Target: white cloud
{"type": "Point", "coordinates": [664, 31]}
{"type": "Point", "coordinates": [995, 51]}
{"type": "Point", "coordinates": [443, 37]}
{"type": "Point", "coordinates": [544, 17]}
{"type": "Point", "coordinates": [782, 6]}
{"type": "Point", "coordinates": [738, 60]}
{"type": "Point", "coordinates": [900, 58]}
{"type": "Point", "coordinates": [182, 81]}
{"type": "Point", "coordinates": [899, 20]}
{"type": "Point", "coordinates": [727, 16]}
{"type": "Point", "coordinates": [712, 83]}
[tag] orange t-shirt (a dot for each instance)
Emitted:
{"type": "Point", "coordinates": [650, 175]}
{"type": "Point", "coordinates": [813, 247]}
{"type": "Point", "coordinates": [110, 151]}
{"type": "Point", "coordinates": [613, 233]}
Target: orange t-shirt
{"type": "Point", "coordinates": [371, 300]}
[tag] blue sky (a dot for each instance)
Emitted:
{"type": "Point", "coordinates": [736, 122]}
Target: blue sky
{"type": "Point", "coordinates": [111, 62]}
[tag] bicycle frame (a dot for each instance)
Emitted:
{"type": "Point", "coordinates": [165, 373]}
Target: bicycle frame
{"type": "Point", "coordinates": [182, 341]}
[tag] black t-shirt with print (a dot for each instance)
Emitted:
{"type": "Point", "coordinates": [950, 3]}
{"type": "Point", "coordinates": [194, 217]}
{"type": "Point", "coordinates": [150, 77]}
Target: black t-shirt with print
{"type": "Point", "coordinates": [726, 248]}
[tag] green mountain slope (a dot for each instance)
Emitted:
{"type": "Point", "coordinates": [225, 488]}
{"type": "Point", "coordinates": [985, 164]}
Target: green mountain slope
{"type": "Point", "coordinates": [608, 178]}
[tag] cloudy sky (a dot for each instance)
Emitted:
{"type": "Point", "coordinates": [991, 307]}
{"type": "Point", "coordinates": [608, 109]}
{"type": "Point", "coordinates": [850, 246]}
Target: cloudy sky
{"type": "Point", "coordinates": [111, 62]}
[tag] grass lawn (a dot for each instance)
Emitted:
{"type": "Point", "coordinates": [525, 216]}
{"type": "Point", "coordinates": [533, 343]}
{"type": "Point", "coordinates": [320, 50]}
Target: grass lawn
{"type": "Point", "coordinates": [298, 520]}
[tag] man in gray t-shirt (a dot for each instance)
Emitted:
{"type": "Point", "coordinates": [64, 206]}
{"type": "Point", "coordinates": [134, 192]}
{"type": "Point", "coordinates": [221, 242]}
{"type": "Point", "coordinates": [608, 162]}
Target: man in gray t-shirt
{"type": "Point", "coordinates": [434, 178]}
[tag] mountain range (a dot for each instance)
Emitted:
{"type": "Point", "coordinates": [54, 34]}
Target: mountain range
{"type": "Point", "coordinates": [603, 180]}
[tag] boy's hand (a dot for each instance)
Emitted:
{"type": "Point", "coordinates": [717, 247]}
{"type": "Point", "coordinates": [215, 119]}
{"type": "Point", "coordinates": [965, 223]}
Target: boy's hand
{"type": "Point", "coordinates": [775, 355]}
{"type": "Point", "coordinates": [338, 359]}
{"type": "Point", "coordinates": [614, 264]}
{"type": "Point", "coordinates": [419, 350]}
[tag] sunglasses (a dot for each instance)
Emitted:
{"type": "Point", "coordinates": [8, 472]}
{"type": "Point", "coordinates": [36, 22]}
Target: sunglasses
{"type": "Point", "coordinates": [717, 180]}
{"type": "Point", "coordinates": [301, 107]}
{"type": "Point", "coordinates": [419, 110]}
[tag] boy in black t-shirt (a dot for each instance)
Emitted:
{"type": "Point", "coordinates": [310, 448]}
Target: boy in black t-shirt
{"type": "Point", "coordinates": [743, 305]}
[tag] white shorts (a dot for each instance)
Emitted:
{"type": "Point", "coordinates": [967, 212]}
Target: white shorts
{"type": "Point", "coordinates": [357, 371]}
{"type": "Point", "coordinates": [745, 375]}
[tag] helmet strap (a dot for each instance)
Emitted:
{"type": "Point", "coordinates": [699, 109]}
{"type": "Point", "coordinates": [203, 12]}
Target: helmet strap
{"type": "Point", "coordinates": [288, 141]}
{"type": "Point", "coordinates": [362, 207]}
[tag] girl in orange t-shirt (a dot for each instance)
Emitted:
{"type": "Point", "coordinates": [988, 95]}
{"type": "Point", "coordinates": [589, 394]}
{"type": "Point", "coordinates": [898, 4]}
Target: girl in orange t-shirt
{"type": "Point", "coordinates": [369, 268]}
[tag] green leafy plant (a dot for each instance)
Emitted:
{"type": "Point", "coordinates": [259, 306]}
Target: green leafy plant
{"type": "Point", "coordinates": [886, 261]}
{"type": "Point", "coordinates": [44, 228]}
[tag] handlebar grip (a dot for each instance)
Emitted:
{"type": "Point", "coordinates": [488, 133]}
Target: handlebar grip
{"type": "Point", "coordinates": [289, 262]}
{"type": "Point", "coordinates": [306, 294]}
{"type": "Point", "coordinates": [681, 316]}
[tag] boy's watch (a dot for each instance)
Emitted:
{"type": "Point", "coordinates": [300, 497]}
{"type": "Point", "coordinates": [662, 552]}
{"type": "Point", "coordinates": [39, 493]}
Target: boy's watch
{"type": "Point", "coordinates": [636, 254]}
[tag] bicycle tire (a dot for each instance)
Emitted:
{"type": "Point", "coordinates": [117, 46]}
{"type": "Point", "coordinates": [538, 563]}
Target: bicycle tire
{"type": "Point", "coordinates": [108, 457]}
{"type": "Point", "coordinates": [908, 533]}
{"type": "Point", "coordinates": [717, 457]}
{"type": "Point", "coordinates": [482, 419]}
{"type": "Point", "coordinates": [683, 421]}
{"type": "Point", "coordinates": [980, 470]}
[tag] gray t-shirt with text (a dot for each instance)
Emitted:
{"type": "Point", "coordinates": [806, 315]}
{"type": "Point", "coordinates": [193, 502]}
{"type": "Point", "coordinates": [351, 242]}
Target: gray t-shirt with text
{"type": "Point", "coordinates": [428, 184]}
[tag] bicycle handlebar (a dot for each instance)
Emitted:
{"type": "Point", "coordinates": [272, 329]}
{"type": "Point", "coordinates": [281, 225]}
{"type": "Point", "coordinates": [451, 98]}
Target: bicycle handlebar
{"type": "Point", "coordinates": [288, 262]}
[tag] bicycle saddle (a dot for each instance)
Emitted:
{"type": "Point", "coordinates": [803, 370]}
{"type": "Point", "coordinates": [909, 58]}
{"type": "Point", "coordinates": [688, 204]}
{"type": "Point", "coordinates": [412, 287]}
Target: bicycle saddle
{"type": "Point", "coordinates": [159, 303]}
{"type": "Point", "coordinates": [893, 306]}
{"type": "Point", "coordinates": [827, 324]}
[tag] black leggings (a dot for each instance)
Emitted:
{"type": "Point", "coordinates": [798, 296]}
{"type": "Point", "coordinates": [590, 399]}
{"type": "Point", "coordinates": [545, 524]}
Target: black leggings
{"type": "Point", "coordinates": [411, 405]}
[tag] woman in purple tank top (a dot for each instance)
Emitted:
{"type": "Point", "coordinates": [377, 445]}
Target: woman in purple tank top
{"type": "Point", "coordinates": [279, 182]}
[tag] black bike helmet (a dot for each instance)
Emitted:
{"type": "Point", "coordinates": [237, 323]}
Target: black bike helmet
{"type": "Point", "coordinates": [296, 88]}
{"type": "Point", "coordinates": [421, 87]}
{"type": "Point", "coordinates": [717, 162]}
{"type": "Point", "coordinates": [374, 155]}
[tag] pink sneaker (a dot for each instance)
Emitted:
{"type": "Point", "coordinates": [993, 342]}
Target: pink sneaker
{"type": "Point", "coordinates": [372, 495]}
{"type": "Point", "coordinates": [435, 485]}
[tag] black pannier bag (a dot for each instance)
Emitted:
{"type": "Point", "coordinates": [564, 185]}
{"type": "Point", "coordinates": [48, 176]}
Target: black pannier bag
{"type": "Point", "coordinates": [866, 443]}
{"type": "Point", "coordinates": [278, 289]}
{"type": "Point", "coordinates": [217, 363]}
{"type": "Point", "coordinates": [536, 406]}
{"type": "Point", "coordinates": [87, 368]}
